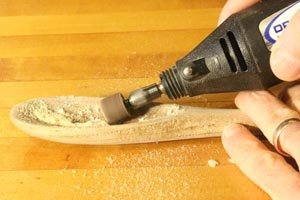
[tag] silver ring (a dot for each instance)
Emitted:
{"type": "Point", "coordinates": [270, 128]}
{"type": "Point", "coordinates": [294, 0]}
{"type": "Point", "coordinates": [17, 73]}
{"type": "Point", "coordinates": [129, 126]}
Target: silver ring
{"type": "Point", "coordinates": [278, 131]}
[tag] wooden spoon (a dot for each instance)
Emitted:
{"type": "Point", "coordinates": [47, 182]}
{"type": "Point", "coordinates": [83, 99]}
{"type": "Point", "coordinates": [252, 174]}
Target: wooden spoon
{"type": "Point", "coordinates": [186, 123]}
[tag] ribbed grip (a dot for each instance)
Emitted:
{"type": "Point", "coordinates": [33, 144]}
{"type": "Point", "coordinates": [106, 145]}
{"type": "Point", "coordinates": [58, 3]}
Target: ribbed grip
{"type": "Point", "coordinates": [172, 84]}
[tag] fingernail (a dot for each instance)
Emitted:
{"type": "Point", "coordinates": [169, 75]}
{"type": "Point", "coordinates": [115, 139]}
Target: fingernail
{"type": "Point", "coordinates": [229, 131]}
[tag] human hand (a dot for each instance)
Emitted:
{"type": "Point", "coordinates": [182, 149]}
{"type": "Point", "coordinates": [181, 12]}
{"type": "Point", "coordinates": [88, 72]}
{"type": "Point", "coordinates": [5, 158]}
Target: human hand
{"type": "Point", "coordinates": [265, 168]}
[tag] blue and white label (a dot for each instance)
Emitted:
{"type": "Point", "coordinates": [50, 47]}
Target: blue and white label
{"type": "Point", "coordinates": [273, 26]}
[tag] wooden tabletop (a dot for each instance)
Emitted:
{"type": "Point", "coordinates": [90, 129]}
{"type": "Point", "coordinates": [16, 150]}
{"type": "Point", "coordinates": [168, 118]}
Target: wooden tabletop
{"type": "Point", "coordinates": [96, 48]}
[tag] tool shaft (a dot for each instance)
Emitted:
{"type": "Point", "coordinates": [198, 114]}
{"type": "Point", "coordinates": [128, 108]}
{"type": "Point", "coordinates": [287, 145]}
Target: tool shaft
{"type": "Point", "coordinates": [145, 95]}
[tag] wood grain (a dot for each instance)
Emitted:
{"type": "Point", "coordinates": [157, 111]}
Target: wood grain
{"type": "Point", "coordinates": [51, 7]}
{"type": "Point", "coordinates": [109, 22]}
{"type": "Point", "coordinates": [61, 57]}
{"type": "Point", "coordinates": [176, 170]}
{"type": "Point", "coordinates": [95, 48]}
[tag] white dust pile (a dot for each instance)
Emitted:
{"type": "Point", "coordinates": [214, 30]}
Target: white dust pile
{"type": "Point", "coordinates": [159, 112]}
{"type": "Point", "coordinates": [64, 112]}
{"type": "Point", "coordinates": [81, 112]}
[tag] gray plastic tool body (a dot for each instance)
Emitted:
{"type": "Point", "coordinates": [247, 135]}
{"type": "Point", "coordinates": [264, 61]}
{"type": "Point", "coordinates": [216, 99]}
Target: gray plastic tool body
{"type": "Point", "coordinates": [234, 57]}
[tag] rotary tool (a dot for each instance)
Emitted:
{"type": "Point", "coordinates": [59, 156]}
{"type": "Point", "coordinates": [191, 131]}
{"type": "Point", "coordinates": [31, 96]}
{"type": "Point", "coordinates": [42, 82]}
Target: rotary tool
{"type": "Point", "coordinates": [234, 57]}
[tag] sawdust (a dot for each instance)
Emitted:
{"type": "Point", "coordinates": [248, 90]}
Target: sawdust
{"type": "Point", "coordinates": [73, 111]}
{"type": "Point", "coordinates": [212, 163]}
{"type": "Point", "coordinates": [62, 113]}
{"type": "Point", "coordinates": [159, 112]}
{"type": "Point", "coordinates": [164, 171]}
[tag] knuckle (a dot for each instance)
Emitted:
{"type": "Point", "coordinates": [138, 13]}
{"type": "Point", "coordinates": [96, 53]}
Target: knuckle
{"type": "Point", "coordinates": [284, 113]}
{"type": "Point", "coordinates": [263, 96]}
{"type": "Point", "coordinates": [268, 159]}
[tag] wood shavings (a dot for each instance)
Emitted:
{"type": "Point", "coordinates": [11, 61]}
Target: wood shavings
{"type": "Point", "coordinates": [63, 112]}
{"type": "Point", "coordinates": [73, 111]}
{"type": "Point", "coordinates": [159, 112]}
{"type": "Point", "coordinates": [212, 163]}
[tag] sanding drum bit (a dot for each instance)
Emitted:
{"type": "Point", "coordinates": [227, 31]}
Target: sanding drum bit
{"type": "Point", "coordinates": [116, 108]}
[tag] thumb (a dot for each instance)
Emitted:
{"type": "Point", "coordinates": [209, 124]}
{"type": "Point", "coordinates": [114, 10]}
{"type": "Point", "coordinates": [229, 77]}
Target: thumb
{"type": "Point", "coordinates": [285, 56]}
